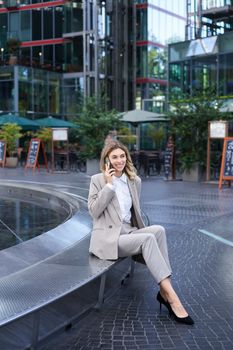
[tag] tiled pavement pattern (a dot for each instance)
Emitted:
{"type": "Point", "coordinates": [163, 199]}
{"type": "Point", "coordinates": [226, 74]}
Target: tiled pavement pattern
{"type": "Point", "coordinates": [202, 275]}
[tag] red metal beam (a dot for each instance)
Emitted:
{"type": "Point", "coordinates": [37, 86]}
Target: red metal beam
{"type": "Point", "coordinates": [151, 43]}
{"type": "Point", "coordinates": [43, 42]}
{"type": "Point", "coordinates": [33, 6]}
{"type": "Point", "coordinates": [151, 80]}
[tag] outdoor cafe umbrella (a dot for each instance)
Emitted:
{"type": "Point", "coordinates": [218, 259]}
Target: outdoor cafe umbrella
{"type": "Point", "coordinates": [25, 123]}
{"type": "Point", "coordinates": [51, 122]}
{"type": "Point", "coordinates": [138, 116]}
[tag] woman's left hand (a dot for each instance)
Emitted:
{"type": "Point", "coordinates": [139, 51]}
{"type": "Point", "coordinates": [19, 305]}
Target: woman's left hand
{"type": "Point", "coordinates": [109, 172]}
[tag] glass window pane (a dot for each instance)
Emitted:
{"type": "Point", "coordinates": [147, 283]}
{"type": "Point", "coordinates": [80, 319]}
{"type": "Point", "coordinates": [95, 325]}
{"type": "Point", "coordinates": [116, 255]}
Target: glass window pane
{"type": "Point", "coordinates": [204, 74]}
{"type": "Point", "coordinates": [48, 56]}
{"type": "Point", "coordinates": [36, 25]}
{"type": "Point", "coordinates": [142, 58]}
{"type": "Point", "coordinates": [48, 22]}
{"type": "Point", "coordinates": [54, 101]}
{"type": "Point", "coordinates": [157, 58]}
{"type": "Point", "coordinates": [25, 73]}
{"type": "Point", "coordinates": [26, 56]}
{"type": "Point", "coordinates": [14, 24]}
{"type": "Point", "coordinates": [142, 24]}
{"type": "Point", "coordinates": [175, 80]}
{"type": "Point", "coordinates": [58, 21]}
{"type": "Point", "coordinates": [6, 95]}
{"type": "Point", "coordinates": [226, 74]}
{"type": "Point", "coordinates": [25, 26]}
{"type": "Point", "coordinates": [59, 57]}
{"type": "Point", "coordinates": [25, 97]}
{"type": "Point", "coordinates": [3, 29]}
{"type": "Point", "coordinates": [77, 59]}
{"type": "Point", "coordinates": [73, 90]}
{"type": "Point", "coordinates": [77, 22]}
{"type": "Point", "coordinates": [40, 90]}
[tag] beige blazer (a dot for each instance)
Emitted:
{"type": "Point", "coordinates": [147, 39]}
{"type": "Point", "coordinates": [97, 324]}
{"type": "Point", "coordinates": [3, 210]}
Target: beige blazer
{"type": "Point", "coordinates": [105, 210]}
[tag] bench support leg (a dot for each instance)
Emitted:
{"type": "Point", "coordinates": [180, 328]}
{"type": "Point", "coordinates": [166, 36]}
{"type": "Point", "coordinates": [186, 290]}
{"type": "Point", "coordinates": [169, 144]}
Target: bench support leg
{"type": "Point", "coordinates": [132, 267]}
{"type": "Point", "coordinates": [130, 272]}
{"type": "Point", "coordinates": [101, 291]}
{"type": "Point", "coordinates": [35, 330]}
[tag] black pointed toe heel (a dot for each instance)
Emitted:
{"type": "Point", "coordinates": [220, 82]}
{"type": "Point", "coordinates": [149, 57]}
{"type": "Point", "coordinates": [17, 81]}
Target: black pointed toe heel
{"type": "Point", "coordinates": [185, 320]}
{"type": "Point", "coordinates": [162, 302]}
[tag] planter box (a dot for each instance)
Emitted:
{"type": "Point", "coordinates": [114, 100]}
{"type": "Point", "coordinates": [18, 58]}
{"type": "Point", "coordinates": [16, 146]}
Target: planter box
{"type": "Point", "coordinates": [11, 162]}
{"type": "Point", "coordinates": [195, 174]}
{"type": "Point", "coordinates": [13, 60]}
{"type": "Point", "coordinates": [92, 166]}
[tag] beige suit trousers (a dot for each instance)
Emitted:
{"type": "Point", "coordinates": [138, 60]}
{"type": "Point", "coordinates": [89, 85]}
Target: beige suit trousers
{"type": "Point", "coordinates": [149, 241]}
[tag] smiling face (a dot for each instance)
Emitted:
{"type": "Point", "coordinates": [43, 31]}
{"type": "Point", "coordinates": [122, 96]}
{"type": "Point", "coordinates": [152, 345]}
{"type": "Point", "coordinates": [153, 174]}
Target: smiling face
{"type": "Point", "coordinates": [118, 160]}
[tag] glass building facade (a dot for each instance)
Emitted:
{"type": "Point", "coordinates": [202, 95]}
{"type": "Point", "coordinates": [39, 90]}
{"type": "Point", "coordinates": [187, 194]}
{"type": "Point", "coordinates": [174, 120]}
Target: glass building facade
{"type": "Point", "coordinates": [158, 23]}
{"type": "Point", "coordinates": [204, 61]}
{"type": "Point", "coordinates": [66, 50]}
{"type": "Point", "coordinates": [71, 49]}
{"type": "Point", "coordinates": [208, 18]}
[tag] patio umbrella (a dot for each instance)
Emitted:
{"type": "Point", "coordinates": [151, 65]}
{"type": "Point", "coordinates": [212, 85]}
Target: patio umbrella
{"type": "Point", "coordinates": [51, 122]}
{"type": "Point", "coordinates": [138, 116]}
{"type": "Point", "coordinates": [25, 123]}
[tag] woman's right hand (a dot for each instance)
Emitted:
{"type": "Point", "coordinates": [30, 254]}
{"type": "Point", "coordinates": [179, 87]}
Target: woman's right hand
{"type": "Point", "coordinates": [109, 172]}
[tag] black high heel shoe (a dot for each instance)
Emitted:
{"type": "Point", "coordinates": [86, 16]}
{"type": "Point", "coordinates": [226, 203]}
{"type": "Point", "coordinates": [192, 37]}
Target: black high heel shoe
{"type": "Point", "coordinates": [186, 320]}
{"type": "Point", "coordinates": [162, 301]}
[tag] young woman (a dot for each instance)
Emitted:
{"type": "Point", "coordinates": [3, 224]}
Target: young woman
{"type": "Point", "coordinates": [118, 228]}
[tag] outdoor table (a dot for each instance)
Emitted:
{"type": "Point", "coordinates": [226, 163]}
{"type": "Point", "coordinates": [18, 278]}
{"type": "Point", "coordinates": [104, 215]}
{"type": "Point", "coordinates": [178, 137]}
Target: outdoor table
{"type": "Point", "coordinates": [150, 161]}
{"type": "Point", "coordinates": [60, 159]}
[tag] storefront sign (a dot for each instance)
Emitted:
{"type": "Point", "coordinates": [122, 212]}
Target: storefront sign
{"type": "Point", "coordinates": [60, 134]}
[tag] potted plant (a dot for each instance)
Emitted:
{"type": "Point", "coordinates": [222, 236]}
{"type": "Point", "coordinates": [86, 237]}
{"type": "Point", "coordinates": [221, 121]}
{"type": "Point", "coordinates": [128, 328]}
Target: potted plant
{"type": "Point", "coordinates": [45, 135]}
{"type": "Point", "coordinates": [10, 133]}
{"type": "Point", "coordinates": [189, 121]}
{"type": "Point", "coordinates": [94, 124]}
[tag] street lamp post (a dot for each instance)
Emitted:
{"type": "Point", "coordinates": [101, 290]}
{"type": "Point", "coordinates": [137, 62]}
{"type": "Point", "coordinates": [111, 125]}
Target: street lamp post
{"type": "Point", "coordinates": [40, 57]}
{"type": "Point", "coordinates": [2, 54]}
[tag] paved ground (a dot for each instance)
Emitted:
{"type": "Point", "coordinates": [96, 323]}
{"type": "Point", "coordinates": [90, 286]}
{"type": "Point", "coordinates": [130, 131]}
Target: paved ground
{"type": "Point", "coordinates": [198, 219]}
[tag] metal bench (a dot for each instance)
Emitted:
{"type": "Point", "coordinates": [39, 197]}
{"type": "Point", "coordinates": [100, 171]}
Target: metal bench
{"type": "Point", "coordinates": [29, 290]}
{"type": "Point", "coordinates": [49, 268]}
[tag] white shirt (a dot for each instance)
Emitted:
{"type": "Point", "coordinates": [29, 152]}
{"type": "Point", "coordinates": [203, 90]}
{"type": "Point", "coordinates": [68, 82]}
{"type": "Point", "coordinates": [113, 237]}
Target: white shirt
{"type": "Point", "coordinates": [121, 188]}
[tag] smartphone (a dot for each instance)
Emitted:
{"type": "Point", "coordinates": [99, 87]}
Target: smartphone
{"type": "Point", "coordinates": [107, 161]}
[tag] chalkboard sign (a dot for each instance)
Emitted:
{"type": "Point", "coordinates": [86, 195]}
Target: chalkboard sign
{"type": "Point", "coordinates": [33, 153]}
{"type": "Point", "coordinates": [2, 152]}
{"type": "Point", "coordinates": [227, 161]}
{"type": "Point", "coordinates": [168, 158]}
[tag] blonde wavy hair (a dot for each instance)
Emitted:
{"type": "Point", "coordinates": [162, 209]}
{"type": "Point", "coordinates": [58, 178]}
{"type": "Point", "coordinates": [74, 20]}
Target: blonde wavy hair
{"type": "Point", "coordinates": [111, 146]}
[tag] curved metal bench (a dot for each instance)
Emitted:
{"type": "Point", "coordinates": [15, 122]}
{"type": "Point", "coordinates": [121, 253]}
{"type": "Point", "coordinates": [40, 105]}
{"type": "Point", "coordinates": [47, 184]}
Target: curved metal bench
{"type": "Point", "coordinates": [59, 264]}
{"type": "Point", "coordinates": [38, 272]}
{"type": "Point", "coordinates": [29, 290]}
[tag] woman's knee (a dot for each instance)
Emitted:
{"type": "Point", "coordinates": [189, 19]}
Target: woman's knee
{"type": "Point", "coordinates": [158, 229]}
{"type": "Point", "coordinates": [149, 239]}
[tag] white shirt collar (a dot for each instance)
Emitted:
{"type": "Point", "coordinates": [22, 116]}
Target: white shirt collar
{"type": "Point", "coordinates": [123, 178]}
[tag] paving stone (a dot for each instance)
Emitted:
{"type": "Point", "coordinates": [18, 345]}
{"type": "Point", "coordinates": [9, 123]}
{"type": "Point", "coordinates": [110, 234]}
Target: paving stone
{"type": "Point", "coordinates": [202, 276]}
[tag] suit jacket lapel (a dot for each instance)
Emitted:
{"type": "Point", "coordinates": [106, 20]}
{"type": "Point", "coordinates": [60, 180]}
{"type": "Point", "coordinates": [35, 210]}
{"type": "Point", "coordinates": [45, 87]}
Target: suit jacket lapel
{"type": "Point", "coordinates": [116, 206]}
{"type": "Point", "coordinates": [114, 202]}
{"type": "Point", "coordinates": [136, 205]}
{"type": "Point", "coordinates": [134, 194]}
